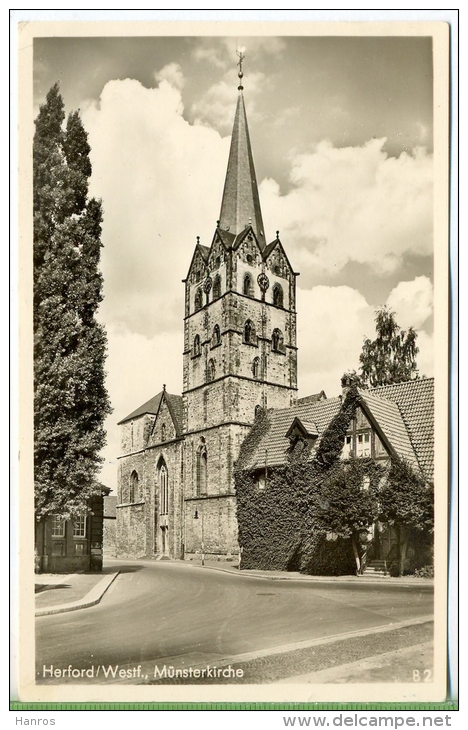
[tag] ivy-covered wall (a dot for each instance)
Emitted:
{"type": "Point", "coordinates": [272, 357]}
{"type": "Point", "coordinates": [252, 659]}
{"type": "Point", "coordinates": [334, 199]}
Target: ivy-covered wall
{"type": "Point", "coordinates": [281, 515]}
{"type": "Point", "coordinates": [276, 517]}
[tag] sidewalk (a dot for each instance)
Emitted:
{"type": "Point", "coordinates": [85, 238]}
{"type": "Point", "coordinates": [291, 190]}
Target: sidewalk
{"type": "Point", "coordinates": [59, 593]}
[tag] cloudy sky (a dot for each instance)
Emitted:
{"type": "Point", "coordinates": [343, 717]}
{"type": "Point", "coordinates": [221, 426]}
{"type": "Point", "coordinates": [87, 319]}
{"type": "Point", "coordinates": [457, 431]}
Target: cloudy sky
{"type": "Point", "coordinates": [342, 136]}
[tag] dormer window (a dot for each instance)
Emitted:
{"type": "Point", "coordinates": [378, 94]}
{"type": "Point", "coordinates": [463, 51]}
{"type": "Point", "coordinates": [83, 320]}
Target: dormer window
{"type": "Point", "coordinates": [247, 289]}
{"type": "Point", "coordinates": [198, 300]}
{"type": "Point", "coordinates": [278, 295]}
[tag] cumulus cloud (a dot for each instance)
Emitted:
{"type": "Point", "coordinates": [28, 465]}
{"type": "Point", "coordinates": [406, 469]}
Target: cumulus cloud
{"type": "Point", "coordinates": [138, 366]}
{"type": "Point", "coordinates": [412, 302]}
{"type": "Point", "coordinates": [332, 324]}
{"type": "Point", "coordinates": [161, 180]}
{"type": "Point", "coordinates": [354, 204]}
{"type": "Point", "coordinates": [172, 73]}
{"type": "Point", "coordinates": [216, 106]}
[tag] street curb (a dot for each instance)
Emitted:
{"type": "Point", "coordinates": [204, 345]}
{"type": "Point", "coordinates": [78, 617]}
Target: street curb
{"type": "Point", "coordinates": [370, 580]}
{"type": "Point", "coordinates": [91, 599]}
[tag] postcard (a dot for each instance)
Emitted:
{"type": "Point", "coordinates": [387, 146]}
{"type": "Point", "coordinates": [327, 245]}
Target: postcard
{"type": "Point", "coordinates": [233, 307]}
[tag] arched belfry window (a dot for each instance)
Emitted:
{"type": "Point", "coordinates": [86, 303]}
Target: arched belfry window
{"type": "Point", "coordinates": [278, 298]}
{"type": "Point", "coordinates": [247, 288]}
{"type": "Point", "coordinates": [210, 370]}
{"type": "Point", "coordinates": [196, 345]}
{"type": "Point", "coordinates": [198, 299]}
{"type": "Point", "coordinates": [256, 367]}
{"type": "Point", "coordinates": [249, 333]}
{"type": "Point", "coordinates": [163, 490]}
{"type": "Point", "coordinates": [133, 490]}
{"type": "Point", "coordinates": [202, 470]}
{"type": "Point", "coordinates": [217, 287]}
{"type": "Point", "coordinates": [277, 341]}
{"type": "Point", "coordinates": [216, 336]}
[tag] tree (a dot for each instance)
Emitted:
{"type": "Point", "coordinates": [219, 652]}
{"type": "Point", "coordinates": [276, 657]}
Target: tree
{"type": "Point", "coordinates": [391, 357]}
{"type": "Point", "coordinates": [70, 398]}
{"type": "Point", "coordinates": [347, 505]}
{"type": "Point", "coordinates": [406, 501]}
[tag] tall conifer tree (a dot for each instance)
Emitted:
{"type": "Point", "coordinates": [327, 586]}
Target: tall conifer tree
{"type": "Point", "coordinates": [70, 398]}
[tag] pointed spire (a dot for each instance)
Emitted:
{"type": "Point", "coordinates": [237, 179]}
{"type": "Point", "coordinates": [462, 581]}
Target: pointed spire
{"type": "Point", "coordinates": [240, 206]}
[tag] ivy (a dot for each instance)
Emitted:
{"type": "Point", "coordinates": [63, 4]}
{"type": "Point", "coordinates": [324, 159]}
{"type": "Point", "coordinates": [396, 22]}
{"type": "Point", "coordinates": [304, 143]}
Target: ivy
{"type": "Point", "coordinates": [311, 514]}
{"type": "Point", "coordinates": [331, 443]}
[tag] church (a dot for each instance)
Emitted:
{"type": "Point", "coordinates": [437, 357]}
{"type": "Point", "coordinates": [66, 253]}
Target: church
{"type": "Point", "coordinates": [176, 488]}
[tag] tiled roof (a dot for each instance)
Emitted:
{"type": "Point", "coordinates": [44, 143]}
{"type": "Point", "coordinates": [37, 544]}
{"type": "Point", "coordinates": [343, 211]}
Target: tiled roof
{"type": "Point", "coordinates": [403, 412]}
{"type": "Point", "coordinates": [316, 414]}
{"type": "Point", "coordinates": [415, 399]}
{"type": "Point", "coordinates": [312, 398]}
{"type": "Point", "coordinates": [390, 421]}
{"type": "Point", "coordinates": [175, 404]}
{"type": "Point", "coordinates": [151, 406]}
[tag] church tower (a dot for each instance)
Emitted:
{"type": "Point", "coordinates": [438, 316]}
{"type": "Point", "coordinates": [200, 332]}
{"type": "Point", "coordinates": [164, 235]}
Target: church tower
{"type": "Point", "coordinates": [240, 351]}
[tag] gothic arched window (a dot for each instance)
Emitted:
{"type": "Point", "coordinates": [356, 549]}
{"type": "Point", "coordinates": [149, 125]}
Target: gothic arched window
{"type": "Point", "coordinates": [277, 340]}
{"type": "Point", "coordinates": [202, 470]}
{"type": "Point", "coordinates": [133, 487]}
{"type": "Point", "coordinates": [278, 295]}
{"type": "Point", "coordinates": [196, 345]}
{"type": "Point", "coordinates": [216, 336]}
{"type": "Point", "coordinates": [256, 367]}
{"type": "Point", "coordinates": [163, 490]}
{"type": "Point", "coordinates": [247, 288]}
{"type": "Point", "coordinates": [249, 333]}
{"type": "Point", "coordinates": [210, 370]}
{"type": "Point", "coordinates": [198, 300]}
{"type": "Point", "coordinates": [217, 287]}
{"type": "Point", "coordinates": [163, 432]}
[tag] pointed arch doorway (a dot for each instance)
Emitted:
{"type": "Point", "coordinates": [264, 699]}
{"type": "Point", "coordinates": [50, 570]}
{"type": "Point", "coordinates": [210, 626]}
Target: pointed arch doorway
{"type": "Point", "coordinates": [161, 511]}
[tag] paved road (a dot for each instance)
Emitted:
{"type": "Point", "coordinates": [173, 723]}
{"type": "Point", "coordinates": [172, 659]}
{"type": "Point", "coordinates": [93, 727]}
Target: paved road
{"type": "Point", "coordinates": [184, 615]}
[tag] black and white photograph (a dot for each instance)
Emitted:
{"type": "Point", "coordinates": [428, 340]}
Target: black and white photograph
{"type": "Point", "coordinates": [234, 374]}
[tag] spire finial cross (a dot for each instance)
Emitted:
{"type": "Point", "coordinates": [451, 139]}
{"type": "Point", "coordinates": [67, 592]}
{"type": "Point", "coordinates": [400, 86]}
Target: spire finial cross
{"type": "Point", "coordinates": [241, 55]}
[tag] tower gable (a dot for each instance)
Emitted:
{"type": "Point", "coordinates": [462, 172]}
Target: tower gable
{"type": "Point", "coordinates": [164, 428]}
{"type": "Point", "coordinates": [277, 261]}
{"type": "Point", "coordinates": [198, 264]}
